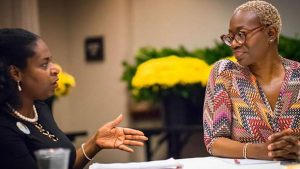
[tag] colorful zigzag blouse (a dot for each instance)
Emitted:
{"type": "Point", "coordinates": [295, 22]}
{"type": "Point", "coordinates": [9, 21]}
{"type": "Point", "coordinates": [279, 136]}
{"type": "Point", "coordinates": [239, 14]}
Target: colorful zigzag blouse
{"type": "Point", "coordinates": [235, 107]}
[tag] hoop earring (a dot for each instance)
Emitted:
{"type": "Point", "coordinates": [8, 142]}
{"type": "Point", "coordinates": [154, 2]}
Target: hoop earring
{"type": "Point", "coordinates": [19, 86]}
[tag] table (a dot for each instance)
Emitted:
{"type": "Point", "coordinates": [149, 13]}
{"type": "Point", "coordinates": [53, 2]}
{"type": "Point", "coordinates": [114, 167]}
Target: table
{"type": "Point", "coordinates": [196, 163]}
{"type": "Point", "coordinates": [223, 163]}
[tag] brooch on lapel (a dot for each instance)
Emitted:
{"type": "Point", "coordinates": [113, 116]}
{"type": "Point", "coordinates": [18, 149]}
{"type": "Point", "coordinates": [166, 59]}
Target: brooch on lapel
{"type": "Point", "coordinates": [23, 127]}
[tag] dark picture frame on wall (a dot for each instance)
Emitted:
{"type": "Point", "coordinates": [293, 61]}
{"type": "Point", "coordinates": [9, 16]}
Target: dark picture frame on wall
{"type": "Point", "coordinates": [94, 48]}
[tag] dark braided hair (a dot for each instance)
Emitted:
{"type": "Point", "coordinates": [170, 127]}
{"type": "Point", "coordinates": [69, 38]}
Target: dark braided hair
{"type": "Point", "coordinates": [16, 46]}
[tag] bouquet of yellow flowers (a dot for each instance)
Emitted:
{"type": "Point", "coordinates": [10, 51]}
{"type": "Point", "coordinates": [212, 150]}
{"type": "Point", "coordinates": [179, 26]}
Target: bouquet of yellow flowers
{"type": "Point", "coordinates": [170, 71]}
{"type": "Point", "coordinates": [177, 77]}
{"type": "Point", "coordinates": [178, 72]}
{"type": "Point", "coordinates": [174, 78]}
{"type": "Point", "coordinates": [65, 82]}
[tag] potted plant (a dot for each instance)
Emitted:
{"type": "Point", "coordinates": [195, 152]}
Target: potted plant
{"type": "Point", "coordinates": [177, 77]}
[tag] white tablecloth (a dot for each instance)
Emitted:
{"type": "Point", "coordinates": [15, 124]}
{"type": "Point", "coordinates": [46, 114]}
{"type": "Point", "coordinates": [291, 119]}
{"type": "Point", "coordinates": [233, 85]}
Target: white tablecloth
{"type": "Point", "coordinates": [223, 163]}
{"type": "Point", "coordinates": [198, 163]}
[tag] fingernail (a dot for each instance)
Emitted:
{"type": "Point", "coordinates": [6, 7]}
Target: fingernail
{"type": "Point", "coordinates": [270, 154]}
{"type": "Point", "coordinates": [269, 147]}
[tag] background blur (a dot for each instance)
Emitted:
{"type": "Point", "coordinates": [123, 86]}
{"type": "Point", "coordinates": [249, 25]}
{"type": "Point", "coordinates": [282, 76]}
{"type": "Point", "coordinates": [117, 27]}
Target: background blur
{"type": "Point", "coordinates": [126, 25]}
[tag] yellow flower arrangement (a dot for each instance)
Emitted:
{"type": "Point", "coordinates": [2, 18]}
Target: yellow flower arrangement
{"type": "Point", "coordinates": [64, 83]}
{"type": "Point", "coordinates": [167, 73]}
{"type": "Point", "coordinates": [160, 73]}
{"type": "Point", "coordinates": [170, 71]}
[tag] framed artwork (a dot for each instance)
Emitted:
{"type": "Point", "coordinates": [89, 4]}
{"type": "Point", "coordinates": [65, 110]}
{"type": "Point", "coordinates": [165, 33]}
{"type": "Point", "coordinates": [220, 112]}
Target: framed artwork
{"type": "Point", "coordinates": [94, 49]}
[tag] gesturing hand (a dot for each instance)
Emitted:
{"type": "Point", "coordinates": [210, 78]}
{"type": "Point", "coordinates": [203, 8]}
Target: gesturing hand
{"type": "Point", "coordinates": [111, 136]}
{"type": "Point", "coordinates": [283, 145]}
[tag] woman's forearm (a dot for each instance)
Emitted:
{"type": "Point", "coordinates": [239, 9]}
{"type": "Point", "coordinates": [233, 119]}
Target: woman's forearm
{"type": "Point", "coordinates": [224, 147]}
{"type": "Point", "coordinates": [90, 149]}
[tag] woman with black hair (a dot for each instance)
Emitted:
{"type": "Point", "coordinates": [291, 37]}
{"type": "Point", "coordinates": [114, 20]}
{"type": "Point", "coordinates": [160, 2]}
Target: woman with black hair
{"type": "Point", "coordinates": [27, 75]}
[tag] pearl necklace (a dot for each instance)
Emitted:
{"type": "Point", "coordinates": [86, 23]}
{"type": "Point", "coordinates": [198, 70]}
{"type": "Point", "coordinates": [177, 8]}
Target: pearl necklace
{"type": "Point", "coordinates": [18, 114]}
{"type": "Point", "coordinates": [34, 121]}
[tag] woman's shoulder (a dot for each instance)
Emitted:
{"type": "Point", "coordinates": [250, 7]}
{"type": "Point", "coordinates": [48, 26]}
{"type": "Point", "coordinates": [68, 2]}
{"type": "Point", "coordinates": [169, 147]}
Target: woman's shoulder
{"type": "Point", "coordinates": [5, 118]}
{"type": "Point", "coordinates": [225, 65]}
{"type": "Point", "coordinates": [291, 63]}
{"type": "Point", "coordinates": [9, 126]}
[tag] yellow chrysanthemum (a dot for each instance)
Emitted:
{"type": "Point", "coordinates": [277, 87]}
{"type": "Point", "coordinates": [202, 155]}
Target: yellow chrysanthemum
{"type": "Point", "coordinates": [171, 70]}
{"type": "Point", "coordinates": [64, 83]}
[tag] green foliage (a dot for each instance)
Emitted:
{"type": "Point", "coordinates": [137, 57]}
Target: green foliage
{"type": "Point", "coordinates": [210, 55]}
{"type": "Point", "coordinates": [288, 47]}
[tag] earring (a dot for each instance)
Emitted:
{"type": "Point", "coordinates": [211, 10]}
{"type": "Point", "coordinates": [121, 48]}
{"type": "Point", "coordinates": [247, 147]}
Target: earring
{"type": "Point", "coordinates": [19, 86]}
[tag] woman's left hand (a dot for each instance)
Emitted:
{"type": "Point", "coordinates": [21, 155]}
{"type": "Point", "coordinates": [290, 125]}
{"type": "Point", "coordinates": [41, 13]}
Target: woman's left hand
{"type": "Point", "coordinates": [284, 146]}
{"type": "Point", "coordinates": [109, 136]}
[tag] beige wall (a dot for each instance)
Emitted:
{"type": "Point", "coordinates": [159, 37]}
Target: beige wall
{"type": "Point", "coordinates": [194, 23]}
{"type": "Point", "coordinates": [53, 28]}
{"type": "Point", "coordinates": [126, 26]}
{"type": "Point", "coordinates": [19, 14]}
{"type": "Point", "coordinates": [99, 96]}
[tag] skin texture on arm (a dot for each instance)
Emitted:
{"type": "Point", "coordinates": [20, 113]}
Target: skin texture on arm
{"type": "Point", "coordinates": [224, 147]}
{"type": "Point", "coordinates": [280, 146]}
{"type": "Point", "coordinates": [110, 136]}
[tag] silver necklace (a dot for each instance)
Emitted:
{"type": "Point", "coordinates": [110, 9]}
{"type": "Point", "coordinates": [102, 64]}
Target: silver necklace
{"type": "Point", "coordinates": [19, 115]}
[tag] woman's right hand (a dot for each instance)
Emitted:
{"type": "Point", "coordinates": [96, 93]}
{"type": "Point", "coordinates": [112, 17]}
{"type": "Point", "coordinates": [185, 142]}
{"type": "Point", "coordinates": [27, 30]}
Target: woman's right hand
{"type": "Point", "coordinates": [283, 146]}
{"type": "Point", "coordinates": [110, 136]}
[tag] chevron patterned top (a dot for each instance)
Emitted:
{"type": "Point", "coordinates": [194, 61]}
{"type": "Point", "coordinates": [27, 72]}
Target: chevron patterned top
{"type": "Point", "coordinates": [236, 108]}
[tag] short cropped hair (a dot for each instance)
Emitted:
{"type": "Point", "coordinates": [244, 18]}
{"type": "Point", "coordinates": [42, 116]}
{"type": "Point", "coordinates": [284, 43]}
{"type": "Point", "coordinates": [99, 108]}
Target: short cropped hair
{"type": "Point", "coordinates": [267, 13]}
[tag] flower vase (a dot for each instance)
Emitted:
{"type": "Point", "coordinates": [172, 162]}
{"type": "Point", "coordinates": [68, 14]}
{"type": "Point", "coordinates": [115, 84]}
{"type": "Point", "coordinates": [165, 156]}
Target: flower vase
{"type": "Point", "coordinates": [180, 111]}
